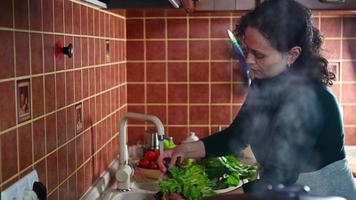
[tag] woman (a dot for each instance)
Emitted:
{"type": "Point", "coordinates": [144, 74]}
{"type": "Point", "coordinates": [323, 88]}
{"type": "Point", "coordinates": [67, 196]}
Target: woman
{"type": "Point", "coordinates": [290, 118]}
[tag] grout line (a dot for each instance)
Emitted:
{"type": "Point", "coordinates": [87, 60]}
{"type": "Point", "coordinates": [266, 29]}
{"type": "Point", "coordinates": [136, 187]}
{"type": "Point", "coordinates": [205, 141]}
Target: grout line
{"type": "Point", "coordinates": [341, 63]}
{"type": "Point", "coordinates": [145, 68]}
{"type": "Point", "coordinates": [198, 61]}
{"type": "Point", "coordinates": [182, 39]}
{"type": "Point", "coordinates": [183, 17]}
{"type": "Point", "coordinates": [209, 82]}
{"type": "Point", "coordinates": [60, 71]}
{"type": "Point", "coordinates": [231, 77]}
{"type": "Point", "coordinates": [96, 8]}
{"type": "Point", "coordinates": [188, 71]}
{"type": "Point", "coordinates": [65, 107]}
{"type": "Point", "coordinates": [183, 104]}
{"type": "Point", "coordinates": [67, 142]}
{"type": "Point", "coordinates": [60, 34]}
{"type": "Point", "coordinates": [166, 69]}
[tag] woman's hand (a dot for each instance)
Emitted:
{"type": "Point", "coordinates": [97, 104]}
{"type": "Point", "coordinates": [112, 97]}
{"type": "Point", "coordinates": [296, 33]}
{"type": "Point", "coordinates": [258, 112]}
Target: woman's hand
{"type": "Point", "coordinates": [185, 150]}
{"type": "Point", "coordinates": [172, 155]}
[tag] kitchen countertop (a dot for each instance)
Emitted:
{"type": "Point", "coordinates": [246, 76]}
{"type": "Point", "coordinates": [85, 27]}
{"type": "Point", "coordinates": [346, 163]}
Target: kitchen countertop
{"type": "Point", "coordinates": [351, 158]}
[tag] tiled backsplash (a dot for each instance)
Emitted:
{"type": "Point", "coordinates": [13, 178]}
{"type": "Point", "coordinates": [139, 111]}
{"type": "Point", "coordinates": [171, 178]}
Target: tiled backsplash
{"type": "Point", "coordinates": [180, 68]}
{"type": "Point", "coordinates": [67, 129]}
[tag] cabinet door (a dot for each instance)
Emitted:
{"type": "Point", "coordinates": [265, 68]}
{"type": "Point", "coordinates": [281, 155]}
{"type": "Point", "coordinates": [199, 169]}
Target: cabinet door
{"type": "Point", "coordinates": [220, 5]}
{"type": "Point", "coordinates": [204, 5]}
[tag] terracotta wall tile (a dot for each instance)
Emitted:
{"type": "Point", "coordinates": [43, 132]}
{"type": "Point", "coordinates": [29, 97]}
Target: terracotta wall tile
{"type": "Point", "coordinates": [60, 90]}
{"type": "Point", "coordinates": [76, 18]}
{"type": "Point", "coordinates": [21, 14]}
{"type": "Point", "coordinates": [62, 163]}
{"type": "Point", "coordinates": [350, 136]}
{"type": "Point", "coordinates": [135, 50]}
{"type": "Point", "coordinates": [58, 16]}
{"type": "Point", "coordinates": [52, 171]}
{"type": "Point", "coordinates": [349, 26]}
{"type": "Point", "coordinates": [32, 51]}
{"type": "Point", "coordinates": [348, 49]}
{"type": "Point", "coordinates": [9, 153]}
{"type": "Point", "coordinates": [199, 93]}
{"type": "Point", "coordinates": [39, 139]}
{"type": "Point", "coordinates": [40, 167]}
{"type": "Point", "coordinates": [7, 105]}
{"type": "Point", "coordinates": [61, 127]}
{"type": "Point", "coordinates": [349, 71]}
{"type": "Point", "coordinates": [135, 93]}
{"type": "Point", "coordinates": [177, 93]}
{"type": "Point", "coordinates": [51, 133]}
{"type": "Point", "coordinates": [198, 28]}
{"type": "Point", "coordinates": [47, 7]}
{"type": "Point", "coordinates": [48, 52]}
{"type": "Point", "coordinates": [349, 117]}
{"type": "Point", "coordinates": [220, 93]}
{"type": "Point", "coordinates": [199, 72]}
{"type": "Point", "coordinates": [176, 28]}
{"type": "Point", "coordinates": [22, 54]}
{"type": "Point", "coordinates": [219, 26]}
{"type": "Point", "coordinates": [25, 146]}
{"type": "Point", "coordinates": [159, 111]}
{"type": "Point", "coordinates": [63, 191]}
{"type": "Point", "coordinates": [331, 26]}
{"type": "Point", "coordinates": [199, 50]}
{"type": "Point", "coordinates": [50, 93]}
{"type": "Point", "coordinates": [134, 28]}
{"type": "Point", "coordinates": [7, 54]}
{"type": "Point", "coordinates": [68, 61]}
{"type": "Point", "coordinates": [220, 115]}
{"type": "Point", "coordinates": [177, 50]}
{"type": "Point", "coordinates": [220, 50]}
{"type": "Point", "coordinates": [5, 12]}
{"type": "Point", "coordinates": [155, 28]}
{"type": "Point", "coordinates": [221, 71]}
{"type": "Point", "coordinates": [156, 72]}
{"type": "Point", "coordinates": [177, 115]}
{"type": "Point", "coordinates": [84, 19]}
{"type": "Point", "coordinates": [177, 72]}
{"type": "Point", "coordinates": [155, 50]}
{"type": "Point", "coordinates": [78, 85]}
{"type": "Point", "coordinates": [349, 93]}
{"type": "Point", "coordinates": [198, 114]}
{"type": "Point", "coordinates": [77, 52]}
{"type": "Point", "coordinates": [135, 72]}
{"type": "Point", "coordinates": [332, 49]}
{"type": "Point", "coordinates": [178, 133]}
{"type": "Point", "coordinates": [156, 93]}
{"type": "Point", "coordinates": [36, 53]}
{"type": "Point", "coordinates": [70, 122]}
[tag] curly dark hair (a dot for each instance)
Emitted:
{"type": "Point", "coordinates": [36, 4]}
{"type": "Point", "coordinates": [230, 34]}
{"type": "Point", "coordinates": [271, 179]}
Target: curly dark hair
{"type": "Point", "coordinates": [285, 24]}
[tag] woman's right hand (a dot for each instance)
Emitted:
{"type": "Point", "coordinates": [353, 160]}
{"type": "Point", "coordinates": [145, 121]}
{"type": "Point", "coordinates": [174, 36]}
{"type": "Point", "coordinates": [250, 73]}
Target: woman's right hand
{"type": "Point", "coordinates": [185, 150]}
{"type": "Point", "coordinates": [172, 155]}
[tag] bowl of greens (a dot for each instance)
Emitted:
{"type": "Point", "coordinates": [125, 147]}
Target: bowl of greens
{"type": "Point", "coordinates": [205, 178]}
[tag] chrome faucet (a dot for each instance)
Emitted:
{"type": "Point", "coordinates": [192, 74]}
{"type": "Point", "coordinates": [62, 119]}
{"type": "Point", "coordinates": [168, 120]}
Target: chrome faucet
{"type": "Point", "coordinates": [124, 173]}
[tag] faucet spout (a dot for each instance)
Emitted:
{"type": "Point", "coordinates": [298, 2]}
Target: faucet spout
{"type": "Point", "coordinates": [124, 173]}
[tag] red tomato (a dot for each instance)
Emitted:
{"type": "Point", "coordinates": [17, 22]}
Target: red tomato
{"type": "Point", "coordinates": [153, 165]}
{"type": "Point", "coordinates": [156, 155]}
{"type": "Point", "coordinates": [144, 163]}
{"type": "Point", "coordinates": [150, 155]}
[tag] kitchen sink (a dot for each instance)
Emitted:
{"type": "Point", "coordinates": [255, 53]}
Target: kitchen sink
{"type": "Point", "coordinates": [134, 195]}
{"type": "Point", "coordinates": [151, 186]}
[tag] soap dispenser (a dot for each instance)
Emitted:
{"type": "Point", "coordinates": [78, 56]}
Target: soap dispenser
{"type": "Point", "coordinates": [191, 138]}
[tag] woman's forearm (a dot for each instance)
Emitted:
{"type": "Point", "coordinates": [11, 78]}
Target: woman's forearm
{"type": "Point", "coordinates": [193, 149]}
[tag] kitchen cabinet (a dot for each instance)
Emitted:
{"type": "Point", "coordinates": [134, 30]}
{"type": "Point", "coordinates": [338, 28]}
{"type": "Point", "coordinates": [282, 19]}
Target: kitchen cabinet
{"type": "Point", "coordinates": [318, 5]}
{"type": "Point", "coordinates": [219, 5]}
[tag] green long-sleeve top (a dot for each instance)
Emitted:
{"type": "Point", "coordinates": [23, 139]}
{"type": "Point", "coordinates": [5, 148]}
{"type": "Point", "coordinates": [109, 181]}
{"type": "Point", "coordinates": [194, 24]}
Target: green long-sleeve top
{"type": "Point", "coordinates": [293, 126]}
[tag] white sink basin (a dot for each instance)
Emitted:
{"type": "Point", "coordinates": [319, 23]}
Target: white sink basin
{"type": "Point", "coordinates": [140, 191]}
{"type": "Point", "coordinates": [134, 195]}
{"type": "Point", "coordinates": [146, 186]}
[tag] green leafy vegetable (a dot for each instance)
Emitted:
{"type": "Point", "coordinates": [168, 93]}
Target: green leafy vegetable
{"type": "Point", "coordinates": [198, 180]}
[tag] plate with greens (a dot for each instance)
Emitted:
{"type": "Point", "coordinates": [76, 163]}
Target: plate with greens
{"type": "Point", "coordinates": [208, 177]}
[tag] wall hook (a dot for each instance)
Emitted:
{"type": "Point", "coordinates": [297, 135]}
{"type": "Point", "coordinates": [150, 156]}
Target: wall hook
{"type": "Point", "coordinates": [68, 50]}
